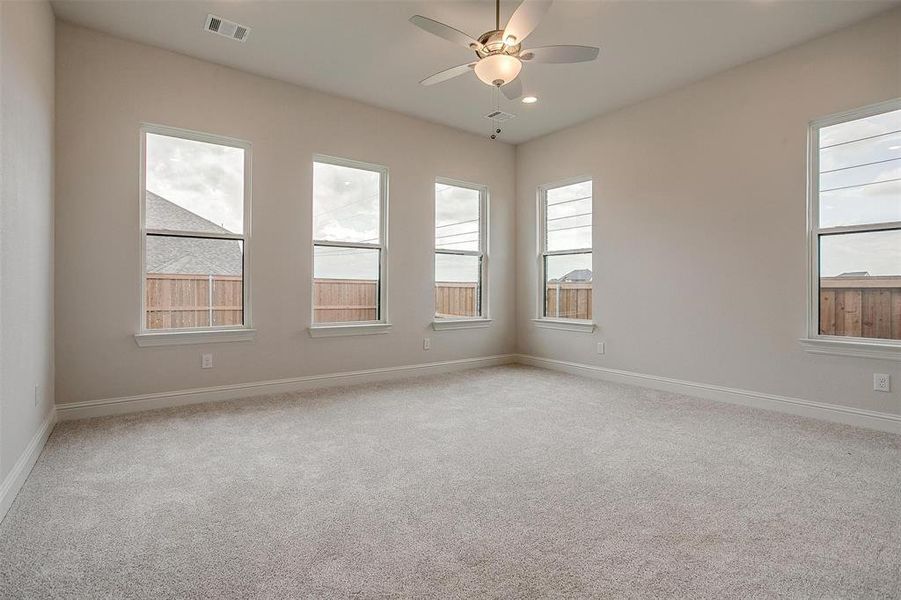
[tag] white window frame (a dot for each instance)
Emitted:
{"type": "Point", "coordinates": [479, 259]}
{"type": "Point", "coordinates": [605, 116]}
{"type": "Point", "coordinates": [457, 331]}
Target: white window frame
{"type": "Point", "coordinates": [483, 319]}
{"type": "Point", "coordinates": [195, 335]}
{"type": "Point", "coordinates": [541, 320]}
{"type": "Point", "coordinates": [832, 344]}
{"type": "Point", "coordinates": [345, 328]}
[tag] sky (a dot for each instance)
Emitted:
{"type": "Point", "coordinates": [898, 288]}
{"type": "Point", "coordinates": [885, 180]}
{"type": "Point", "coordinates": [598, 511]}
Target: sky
{"type": "Point", "coordinates": [568, 228]}
{"type": "Point", "coordinates": [206, 179]}
{"type": "Point", "coordinates": [860, 183]}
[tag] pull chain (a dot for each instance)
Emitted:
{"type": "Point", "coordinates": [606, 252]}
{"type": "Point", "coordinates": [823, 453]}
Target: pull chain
{"type": "Point", "coordinates": [496, 101]}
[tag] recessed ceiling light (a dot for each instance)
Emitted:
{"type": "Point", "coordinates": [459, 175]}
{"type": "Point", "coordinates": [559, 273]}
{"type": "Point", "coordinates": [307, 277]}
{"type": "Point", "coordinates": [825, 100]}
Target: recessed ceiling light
{"type": "Point", "coordinates": [529, 100]}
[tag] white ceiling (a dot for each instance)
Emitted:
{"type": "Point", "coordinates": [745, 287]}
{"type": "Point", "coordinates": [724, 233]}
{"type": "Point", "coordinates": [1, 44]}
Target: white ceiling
{"type": "Point", "coordinates": [367, 50]}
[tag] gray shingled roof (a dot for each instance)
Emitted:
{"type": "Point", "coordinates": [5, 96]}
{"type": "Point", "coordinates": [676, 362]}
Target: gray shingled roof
{"type": "Point", "coordinates": [187, 256]}
{"type": "Point", "coordinates": [574, 276]}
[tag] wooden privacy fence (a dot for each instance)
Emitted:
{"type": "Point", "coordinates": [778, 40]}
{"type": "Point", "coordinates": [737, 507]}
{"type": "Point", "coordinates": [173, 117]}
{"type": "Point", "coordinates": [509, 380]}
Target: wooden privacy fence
{"type": "Point", "coordinates": [338, 300]}
{"type": "Point", "coordinates": [455, 299]}
{"type": "Point", "coordinates": [867, 307]}
{"type": "Point", "coordinates": [175, 301]}
{"type": "Point", "coordinates": [568, 300]}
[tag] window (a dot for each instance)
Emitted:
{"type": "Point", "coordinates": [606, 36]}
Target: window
{"type": "Point", "coordinates": [565, 247]}
{"type": "Point", "coordinates": [195, 230]}
{"type": "Point", "coordinates": [460, 250]}
{"type": "Point", "coordinates": [349, 255]}
{"type": "Point", "coordinates": [855, 221]}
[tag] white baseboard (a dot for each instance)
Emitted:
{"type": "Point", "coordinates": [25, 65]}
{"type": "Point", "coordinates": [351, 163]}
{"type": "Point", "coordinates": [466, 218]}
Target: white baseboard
{"type": "Point", "coordinates": [796, 406]}
{"type": "Point", "coordinates": [19, 473]}
{"type": "Point", "coordinates": [129, 404]}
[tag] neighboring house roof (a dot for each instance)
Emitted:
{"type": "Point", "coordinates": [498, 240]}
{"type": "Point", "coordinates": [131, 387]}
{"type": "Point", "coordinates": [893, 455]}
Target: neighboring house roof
{"type": "Point", "coordinates": [574, 276]}
{"type": "Point", "coordinates": [187, 256]}
{"type": "Point", "coordinates": [855, 274]}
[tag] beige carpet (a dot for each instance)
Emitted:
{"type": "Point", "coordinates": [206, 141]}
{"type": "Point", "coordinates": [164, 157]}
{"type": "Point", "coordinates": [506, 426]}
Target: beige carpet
{"type": "Point", "coordinates": [502, 482]}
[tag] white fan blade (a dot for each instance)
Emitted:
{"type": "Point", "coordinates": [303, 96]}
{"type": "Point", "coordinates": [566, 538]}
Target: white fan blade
{"type": "Point", "coordinates": [560, 54]}
{"type": "Point", "coordinates": [512, 90]}
{"type": "Point", "coordinates": [448, 74]}
{"type": "Point", "coordinates": [525, 19]}
{"type": "Point", "coordinates": [445, 31]}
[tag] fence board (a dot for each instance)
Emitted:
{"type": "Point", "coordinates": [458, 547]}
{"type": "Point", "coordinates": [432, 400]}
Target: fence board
{"type": "Point", "coordinates": [574, 302]}
{"type": "Point", "coordinates": [865, 311]}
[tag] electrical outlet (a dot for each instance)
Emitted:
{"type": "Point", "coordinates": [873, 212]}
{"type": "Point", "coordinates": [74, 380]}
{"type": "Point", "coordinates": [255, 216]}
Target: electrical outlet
{"type": "Point", "coordinates": [426, 344]}
{"type": "Point", "coordinates": [37, 395]}
{"type": "Point", "coordinates": [206, 361]}
{"type": "Point", "coordinates": [882, 382]}
{"type": "Point", "coordinates": [602, 347]}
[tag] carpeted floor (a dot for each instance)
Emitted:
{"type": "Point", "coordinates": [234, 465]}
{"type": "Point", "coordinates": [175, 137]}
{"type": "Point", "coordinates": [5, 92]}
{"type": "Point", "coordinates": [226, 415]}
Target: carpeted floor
{"type": "Point", "coordinates": [501, 482]}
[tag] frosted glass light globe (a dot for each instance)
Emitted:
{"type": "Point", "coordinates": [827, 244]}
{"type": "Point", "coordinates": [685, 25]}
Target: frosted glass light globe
{"type": "Point", "coordinates": [501, 68]}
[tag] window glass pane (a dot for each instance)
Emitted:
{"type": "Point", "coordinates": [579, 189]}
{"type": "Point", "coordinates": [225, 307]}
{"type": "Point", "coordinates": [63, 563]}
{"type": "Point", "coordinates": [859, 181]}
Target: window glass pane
{"type": "Point", "coordinates": [568, 286]}
{"type": "Point", "coordinates": [860, 171]}
{"type": "Point", "coordinates": [345, 204]}
{"type": "Point", "coordinates": [568, 214]}
{"type": "Point", "coordinates": [193, 186]}
{"type": "Point", "coordinates": [456, 217]}
{"type": "Point", "coordinates": [345, 284]}
{"type": "Point", "coordinates": [860, 284]}
{"type": "Point", "coordinates": [457, 286]}
{"type": "Point", "coordinates": [880, 203]}
{"type": "Point", "coordinates": [881, 124]}
{"type": "Point", "coordinates": [193, 282]}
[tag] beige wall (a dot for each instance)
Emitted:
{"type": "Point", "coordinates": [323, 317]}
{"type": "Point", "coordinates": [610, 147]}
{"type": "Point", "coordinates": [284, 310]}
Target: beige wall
{"type": "Point", "coordinates": [699, 223]}
{"type": "Point", "coordinates": [107, 86]}
{"type": "Point", "coordinates": [700, 266]}
{"type": "Point", "coordinates": [26, 224]}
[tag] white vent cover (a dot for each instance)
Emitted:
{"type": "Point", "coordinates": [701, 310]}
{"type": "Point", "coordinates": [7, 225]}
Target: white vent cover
{"type": "Point", "coordinates": [226, 28]}
{"type": "Point", "coordinates": [499, 116]}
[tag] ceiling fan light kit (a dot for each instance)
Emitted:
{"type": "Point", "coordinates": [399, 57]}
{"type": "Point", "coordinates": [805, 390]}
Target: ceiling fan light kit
{"type": "Point", "coordinates": [498, 69]}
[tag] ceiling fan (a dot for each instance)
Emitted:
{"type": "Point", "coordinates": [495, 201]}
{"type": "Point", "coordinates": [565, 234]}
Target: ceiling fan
{"type": "Point", "coordinates": [500, 52]}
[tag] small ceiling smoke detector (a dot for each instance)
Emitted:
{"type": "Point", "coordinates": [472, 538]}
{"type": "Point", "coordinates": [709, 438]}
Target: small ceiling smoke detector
{"type": "Point", "coordinates": [499, 116]}
{"type": "Point", "coordinates": [226, 28]}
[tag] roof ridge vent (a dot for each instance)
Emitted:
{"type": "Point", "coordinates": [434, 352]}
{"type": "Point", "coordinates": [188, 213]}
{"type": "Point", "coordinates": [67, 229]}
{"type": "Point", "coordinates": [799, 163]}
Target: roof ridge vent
{"type": "Point", "coordinates": [226, 28]}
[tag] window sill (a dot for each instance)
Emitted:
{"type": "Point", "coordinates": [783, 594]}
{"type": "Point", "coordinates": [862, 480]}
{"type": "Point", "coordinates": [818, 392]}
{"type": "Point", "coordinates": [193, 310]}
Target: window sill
{"type": "Point", "coordinates": [206, 336]}
{"type": "Point", "coordinates": [859, 349]}
{"type": "Point", "coordinates": [320, 331]}
{"type": "Point", "coordinates": [566, 325]}
{"type": "Point", "coordinates": [447, 324]}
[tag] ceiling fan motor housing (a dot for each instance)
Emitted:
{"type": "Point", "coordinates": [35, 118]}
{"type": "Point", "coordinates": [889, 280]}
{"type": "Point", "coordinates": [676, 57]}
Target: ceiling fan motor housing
{"type": "Point", "coordinates": [493, 43]}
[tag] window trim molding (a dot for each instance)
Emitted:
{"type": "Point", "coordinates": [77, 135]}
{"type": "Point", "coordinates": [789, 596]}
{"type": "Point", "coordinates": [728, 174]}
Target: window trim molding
{"type": "Point", "coordinates": [343, 328]}
{"type": "Point", "coordinates": [155, 337]}
{"type": "Point", "coordinates": [816, 343]}
{"type": "Point", "coordinates": [484, 294]}
{"type": "Point", "coordinates": [176, 337]}
{"type": "Point", "coordinates": [461, 323]}
{"type": "Point", "coordinates": [347, 328]}
{"type": "Point", "coordinates": [857, 347]}
{"type": "Point", "coordinates": [540, 319]}
{"type": "Point", "coordinates": [578, 325]}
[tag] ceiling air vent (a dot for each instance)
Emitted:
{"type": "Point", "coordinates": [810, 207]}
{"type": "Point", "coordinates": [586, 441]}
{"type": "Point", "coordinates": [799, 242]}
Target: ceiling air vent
{"type": "Point", "coordinates": [499, 116]}
{"type": "Point", "coordinates": [226, 28]}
